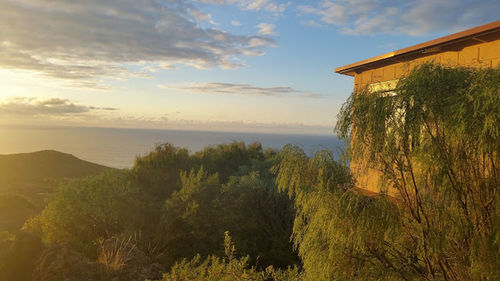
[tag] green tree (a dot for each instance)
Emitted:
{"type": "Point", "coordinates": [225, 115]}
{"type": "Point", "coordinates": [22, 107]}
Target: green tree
{"type": "Point", "coordinates": [436, 142]}
{"type": "Point", "coordinates": [250, 207]}
{"type": "Point", "coordinates": [157, 173]}
{"type": "Point", "coordinates": [174, 208]}
{"type": "Point", "coordinates": [190, 223]}
{"type": "Point", "coordinates": [233, 159]}
{"type": "Point", "coordinates": [82, 212]}
{"type": "Point", "coordinates": [259, 218]}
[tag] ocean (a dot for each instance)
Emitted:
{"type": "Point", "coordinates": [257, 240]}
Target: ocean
{"type": "Point", "coordinates": [118, 148]}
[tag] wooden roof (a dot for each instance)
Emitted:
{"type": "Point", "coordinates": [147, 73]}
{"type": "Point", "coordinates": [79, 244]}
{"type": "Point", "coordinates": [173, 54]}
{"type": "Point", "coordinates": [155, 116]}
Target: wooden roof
{"type": "Point", "coordinates": [483, 33]}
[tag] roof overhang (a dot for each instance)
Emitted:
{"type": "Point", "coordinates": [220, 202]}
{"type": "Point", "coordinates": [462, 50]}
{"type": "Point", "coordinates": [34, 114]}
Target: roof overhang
{"type": "Point", "coordinates": [477, 34]}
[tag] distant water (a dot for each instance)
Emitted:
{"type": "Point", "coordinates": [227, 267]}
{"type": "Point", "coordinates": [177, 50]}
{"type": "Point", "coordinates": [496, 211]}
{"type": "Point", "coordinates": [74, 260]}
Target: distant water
{"type": "Point", "coordinates": [118, 147]}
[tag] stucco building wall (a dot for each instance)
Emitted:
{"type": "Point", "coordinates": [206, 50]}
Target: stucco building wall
{"type": "Point", "coordinates": [470, 53]}
{"type": "Point", "coordinates": [486, 54]}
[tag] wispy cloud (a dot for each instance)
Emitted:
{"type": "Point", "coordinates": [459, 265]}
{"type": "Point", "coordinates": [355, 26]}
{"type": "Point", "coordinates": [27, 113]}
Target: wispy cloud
{"type": "Point", "coordinates": [253, 5]}
{"type": "Point", "coordinates": [311, 23]}
{"type": "Point", "coordinates": [61, 112]}
{"type": "Point", "coordinates": [414, 18]}
{"type": "Point", "coordinates": [83, 42]}
{"type": "Point", "coordinates": [235, 23]}
{"type": "Point", "coordinates": [31, 107]}
{"type": "Point", "coordinates": [266, 28]}
{"type": "Point", "coordinates": [239, 89]}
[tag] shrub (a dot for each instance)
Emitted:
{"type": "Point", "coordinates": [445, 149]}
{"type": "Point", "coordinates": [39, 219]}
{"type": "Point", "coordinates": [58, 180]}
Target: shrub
{"type": "Point", "coordinates": [229, 268]}
{"type": "Point", "coordinates": [83, 212]}
{"type": "Point", "coordinates": [437, 143]}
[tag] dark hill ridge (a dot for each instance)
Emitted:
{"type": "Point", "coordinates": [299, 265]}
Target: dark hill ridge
{"type": "Point", "coordinates": [36, 174]}
{"type": "Point", "coordinates": [44, 165]}
{"type": "Point", "coordinates": [27, 178]}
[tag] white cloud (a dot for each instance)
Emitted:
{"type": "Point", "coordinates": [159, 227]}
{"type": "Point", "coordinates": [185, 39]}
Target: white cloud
{"type": "Point", "coordinates": [31, 107]}
{"type": "Point", "coordinates": [266, 28]}
{"type": "Point", "coordinates": [200, 16]}
{"type": "Point", "coordinates": [311, 23]}
{"type": "Point", "coordinates": [239, 89]}
{"type": "Point", "coordinates": [63, 112]}
{"type": "Point", "coordinates": [175, 123]}
{"type": "Point", "coordinates": [417, 17]}
{"type": "Point", "coordinates": [328, 12]}
{"type": "Point", "coordinates": [83, 42]}
{"type": "Point", "coordinates": [235, 23]}
{"type": "Point", "coordinates": [277, 8]}
{"type": "Point", "coordinates": [252, 5]}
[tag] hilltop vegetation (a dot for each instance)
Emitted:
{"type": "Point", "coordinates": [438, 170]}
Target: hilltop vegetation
{"type": "Point", "coordinates": [239, 212]}
{"type": "Point", "coordinates": [26, 179]}
{"type": "Point", "coordinates": [35, 174]}
{"type": "Point", "coordinates": [44, 165]}
{"type": "Point", "coordinates": [133, 224]}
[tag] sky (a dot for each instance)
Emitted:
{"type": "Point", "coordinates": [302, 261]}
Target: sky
{"type": "Point", "coordinates": [225, 65]}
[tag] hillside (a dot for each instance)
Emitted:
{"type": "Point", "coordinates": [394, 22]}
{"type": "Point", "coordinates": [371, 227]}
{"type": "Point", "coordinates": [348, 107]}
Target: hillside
{"type": "Point", "coordinates": [42, 165]}
{"type": "Point", "coordinates": [35, 174]}
{"type": "Point", "coordinates": [14, 211]}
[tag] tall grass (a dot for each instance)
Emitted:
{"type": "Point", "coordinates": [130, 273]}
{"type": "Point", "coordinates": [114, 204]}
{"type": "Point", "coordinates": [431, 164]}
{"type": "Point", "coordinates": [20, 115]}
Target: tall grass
{"type": "Point", "coordinates": [115, 253]}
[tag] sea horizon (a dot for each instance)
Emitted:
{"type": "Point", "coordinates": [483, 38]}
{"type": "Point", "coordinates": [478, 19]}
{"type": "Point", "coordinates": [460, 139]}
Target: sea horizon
{"type": "Point", "coordinates": [119, 147]}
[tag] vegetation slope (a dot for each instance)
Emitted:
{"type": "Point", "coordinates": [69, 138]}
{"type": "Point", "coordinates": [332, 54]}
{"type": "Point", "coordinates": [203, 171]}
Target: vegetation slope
{"type": "Point", "coordinates": [33, 174]}
{"type": "Point", "coordinates": [26, 179]}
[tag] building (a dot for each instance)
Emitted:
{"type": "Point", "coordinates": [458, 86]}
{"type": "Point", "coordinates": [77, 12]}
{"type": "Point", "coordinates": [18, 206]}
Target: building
{"type": "Point", "coordinates": [475, 47]}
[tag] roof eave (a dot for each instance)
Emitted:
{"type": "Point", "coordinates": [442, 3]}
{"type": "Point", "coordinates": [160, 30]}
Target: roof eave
{"type": "Point", "coordinates": [353, 68]}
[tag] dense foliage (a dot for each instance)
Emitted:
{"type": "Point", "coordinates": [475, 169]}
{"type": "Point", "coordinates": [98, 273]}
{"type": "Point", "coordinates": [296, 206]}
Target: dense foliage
{"type": "Point", "coordinates": [259, 218]}
{"type": "Point", "coordinates": [227, 269]}
{"type": "Point", "coordinates": [436, 141]}
{"type": "Point", "coordinates": [336, 229]}
{"type": "Point", "coordinates": [83, 212]}
{"type": "Point", "coordinates": [136, 224]}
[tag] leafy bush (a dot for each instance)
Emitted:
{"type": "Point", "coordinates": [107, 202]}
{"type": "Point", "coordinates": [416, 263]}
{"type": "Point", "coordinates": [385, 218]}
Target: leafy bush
{"type": "Point", "coordinates": [234, 159]}
{"type": "Point", "coordinates": [59, 262]}
{"type": "Point", "coordinates": [225, 269]}
{"type": "Point", "coordinates": [83, 212]}
{"type": "Point", "coordinates": [157, 173]}
{"type": "Point", "coordinates": [174, 208]}
{"type": "Point", "coordinates": [18, 262]}
{"type": "Point", "coordinates": [436, 143]}
{"type": "Point", "coordinates": [196, 216]}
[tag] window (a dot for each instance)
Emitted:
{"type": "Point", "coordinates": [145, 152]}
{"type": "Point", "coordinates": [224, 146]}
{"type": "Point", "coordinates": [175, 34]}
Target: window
{"type": "Point", "coordinates": [384, 87]}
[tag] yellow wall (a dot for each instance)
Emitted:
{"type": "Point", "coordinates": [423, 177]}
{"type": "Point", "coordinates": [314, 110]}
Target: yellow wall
{"type": "Point", "coordinates": [478, 55]}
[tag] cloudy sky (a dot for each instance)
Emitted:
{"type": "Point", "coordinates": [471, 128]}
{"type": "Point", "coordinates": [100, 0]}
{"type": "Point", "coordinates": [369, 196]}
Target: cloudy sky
{"type": "Point", "coordinates": [245, 65]}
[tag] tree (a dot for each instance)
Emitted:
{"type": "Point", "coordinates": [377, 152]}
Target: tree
{"type": "Point", "coordinates": [233, 159]}
{"type": "Point", "coordinates": [249, 206]}
{"type": "Point", "coordinates": [83, 212]}
{"type": "Point", "coordinates": [437, 142]}
{"type": "Point", "coordinates": [157, 173]}
{"type": "Point", "coordinates": [190, 223]}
